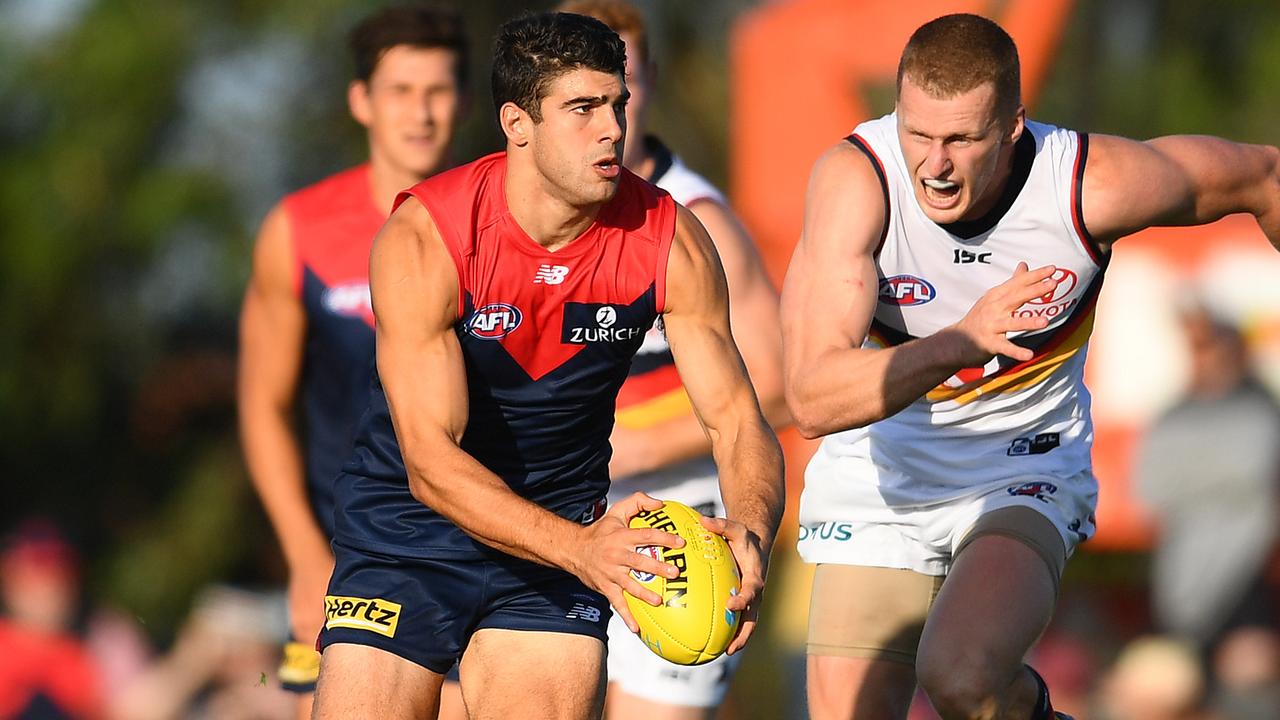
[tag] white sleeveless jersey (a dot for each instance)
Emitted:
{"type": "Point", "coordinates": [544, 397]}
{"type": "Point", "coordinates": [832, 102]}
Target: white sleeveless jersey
{"type": "Point", "coordinates": [984, 426]}
{"type": "Point", "coordinates": [652, 392]}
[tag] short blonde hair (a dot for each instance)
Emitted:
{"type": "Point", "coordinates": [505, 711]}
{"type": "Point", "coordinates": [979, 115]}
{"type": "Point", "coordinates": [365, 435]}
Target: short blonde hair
{"type": "Point", "coordinates": [957, 53]}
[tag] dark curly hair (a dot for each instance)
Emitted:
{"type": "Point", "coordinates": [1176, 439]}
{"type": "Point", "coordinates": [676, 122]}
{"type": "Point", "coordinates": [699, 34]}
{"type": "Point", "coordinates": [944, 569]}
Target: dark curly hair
{"type": "Point", "coordinates": [532, 51]}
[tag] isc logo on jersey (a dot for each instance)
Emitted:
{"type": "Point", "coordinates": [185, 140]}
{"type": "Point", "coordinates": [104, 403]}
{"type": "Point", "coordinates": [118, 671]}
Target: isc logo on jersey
{"type": "Point", "coordinates": [906, 290]}
{"type": "Point", "coordinates": [692, 626]}
{"type": "Point", "coordinates": [494, 321]}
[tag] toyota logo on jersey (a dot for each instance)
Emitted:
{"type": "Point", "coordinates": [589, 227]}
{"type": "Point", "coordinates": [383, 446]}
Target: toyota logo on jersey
{"type": "Point", "coordinates": [1066, 282]}
{"type": "Point", "coordinates": [494, 321]}
{"type": "Point", "coordinates": [906, 290]}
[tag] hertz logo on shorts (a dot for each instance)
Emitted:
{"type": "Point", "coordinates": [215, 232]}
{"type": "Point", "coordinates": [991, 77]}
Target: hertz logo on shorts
{"type": "Point", "coordinates": [376, 615]}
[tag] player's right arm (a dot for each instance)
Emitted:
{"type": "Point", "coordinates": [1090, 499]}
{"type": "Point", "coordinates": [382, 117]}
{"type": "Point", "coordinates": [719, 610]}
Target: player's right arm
{"type": "Point", "coordinates": [829, 297]}
{"type": "Point", "coordinates": [273, 329]}
{"type": "Point", "coordinates": [414, 284]}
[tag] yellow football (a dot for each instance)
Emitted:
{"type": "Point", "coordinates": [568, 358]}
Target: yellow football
{"type": "Point", "coordinates": [692, 626]}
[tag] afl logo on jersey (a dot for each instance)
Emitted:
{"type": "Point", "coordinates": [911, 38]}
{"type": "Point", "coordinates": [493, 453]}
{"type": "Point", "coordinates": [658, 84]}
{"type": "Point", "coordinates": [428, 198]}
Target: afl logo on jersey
{"type": "Point", "coordinates": [906, 290]}
{"type": "Point", "coordinates": [1067, 282]}
{"type": "Point", "coordinates": [494, 321]}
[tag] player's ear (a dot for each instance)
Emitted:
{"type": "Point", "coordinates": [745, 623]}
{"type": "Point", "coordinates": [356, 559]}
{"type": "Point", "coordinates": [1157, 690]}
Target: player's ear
{"type": "Point", "coordinates": [516, 124]}
{"type": "Point", "coordinates": [358, 102]}
{"type": "Point", "coordinates": [1019, 123]}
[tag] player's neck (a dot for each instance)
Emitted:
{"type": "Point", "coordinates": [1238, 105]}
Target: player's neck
{"type": "Point", "coordinates": [387, 180]}
{"type": "Point", "coordinates": [540, 211]}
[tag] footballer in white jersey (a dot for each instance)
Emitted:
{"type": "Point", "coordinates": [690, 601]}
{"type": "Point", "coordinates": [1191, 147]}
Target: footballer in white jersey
{"type": "Point", "coordinates": [1007, 433]}
{"type": "Point", "coordinates": [936, 316]}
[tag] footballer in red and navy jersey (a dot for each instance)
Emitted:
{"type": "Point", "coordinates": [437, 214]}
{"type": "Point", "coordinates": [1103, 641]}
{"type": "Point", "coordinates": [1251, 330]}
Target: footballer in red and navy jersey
{"type": "Point", "coordinates": [547, 338]}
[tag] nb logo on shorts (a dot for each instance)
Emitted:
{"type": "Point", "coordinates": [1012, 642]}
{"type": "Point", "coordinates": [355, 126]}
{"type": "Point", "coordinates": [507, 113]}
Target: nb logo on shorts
{"type": "Point", "coordinates": [582, 611]}
{"type": "Point", "coordinates": [375, 615]}
{"type": "Point", "coordinates": [550, 274]}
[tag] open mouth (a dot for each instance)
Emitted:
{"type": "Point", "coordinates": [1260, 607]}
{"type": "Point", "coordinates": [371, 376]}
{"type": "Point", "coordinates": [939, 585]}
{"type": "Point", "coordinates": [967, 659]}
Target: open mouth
{"type": "Point", "coordinates": [608, 167]}
{"type": "Point", "coordinates": [941, 194]}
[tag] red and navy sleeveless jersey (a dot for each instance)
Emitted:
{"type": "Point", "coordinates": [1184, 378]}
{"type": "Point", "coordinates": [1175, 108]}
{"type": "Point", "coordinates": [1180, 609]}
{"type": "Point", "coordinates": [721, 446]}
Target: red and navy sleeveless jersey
{"type": "Point", "coordinates": [547, 339]}
{"type": "Point", "coordinates": [332, 224]}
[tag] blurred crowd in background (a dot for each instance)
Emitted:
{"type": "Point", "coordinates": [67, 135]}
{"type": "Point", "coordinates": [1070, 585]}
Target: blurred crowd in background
{"type": "Point", "coordinates": [142, 141]}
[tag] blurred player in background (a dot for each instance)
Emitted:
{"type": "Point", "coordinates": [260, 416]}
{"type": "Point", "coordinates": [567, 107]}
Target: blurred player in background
{"type": "Point", "coordinates": [936, 315]}
{"type": "Point", "coordinates": [1209, 470]}
{"type": "Point", "coordinates": [306, 329]}
{"type": "Point", "coordinates": [45, 668]}
{"type": "Point", "coordinates": [659, 448]}
{"type": "Point", "coordinates": [511, 295]}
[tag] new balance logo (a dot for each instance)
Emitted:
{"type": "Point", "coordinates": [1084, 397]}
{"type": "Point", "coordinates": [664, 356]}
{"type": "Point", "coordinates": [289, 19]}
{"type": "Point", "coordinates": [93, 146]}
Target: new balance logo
{"type": "Point", "coordinates": [582, 611]}
{"type": "Point", "coordinates": [550, 274]}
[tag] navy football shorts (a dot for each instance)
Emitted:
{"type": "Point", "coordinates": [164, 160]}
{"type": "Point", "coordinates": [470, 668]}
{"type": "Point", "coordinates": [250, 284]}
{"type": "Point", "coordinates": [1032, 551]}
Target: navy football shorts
{"type": "Point", "coordinates": [425, 610]}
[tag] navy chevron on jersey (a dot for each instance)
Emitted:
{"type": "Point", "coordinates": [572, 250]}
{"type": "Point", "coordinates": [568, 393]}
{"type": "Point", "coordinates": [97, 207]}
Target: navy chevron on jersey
{"type": "Point", "coordinates": [547, 339]}
{"type": "Point", "coordinates": [986, 425]}
{"type": "Point", "coordinates": [332, 224]}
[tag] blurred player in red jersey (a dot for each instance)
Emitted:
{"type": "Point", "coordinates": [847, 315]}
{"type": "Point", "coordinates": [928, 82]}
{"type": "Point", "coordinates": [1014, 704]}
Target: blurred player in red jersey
{"type": "Point", "coordinates": [511, 295]}
{"type": "Point", "coordinates": [658, 446]}
{"type": "Point", "coordinates": [44, 670]}
{"type": "Point", "coordinates": [306, 329]}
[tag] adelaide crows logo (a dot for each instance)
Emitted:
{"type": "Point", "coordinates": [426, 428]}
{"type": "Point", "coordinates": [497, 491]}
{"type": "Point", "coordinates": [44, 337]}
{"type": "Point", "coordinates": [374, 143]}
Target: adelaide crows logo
{"type": "Point", "coordinates": [1038, 489]}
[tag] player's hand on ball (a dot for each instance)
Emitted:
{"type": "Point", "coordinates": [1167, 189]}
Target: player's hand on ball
{"type": "Point", "coordinates": [753, 566]}
{"type": "Point", "coordinates": [985, 328]}
{"type": "Point", "coordinates": [608, 555]}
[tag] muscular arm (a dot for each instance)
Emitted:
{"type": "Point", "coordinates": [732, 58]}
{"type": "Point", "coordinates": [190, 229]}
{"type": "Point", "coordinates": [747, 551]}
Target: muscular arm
{"type": "Point", "coordinates": [414, 285]}
{"type": "Point", "coordinates": [272, 334]}
{"type": "Point", "coordinates": [696, 317]}
{"type": "Point", "coordinates": [753, 311]}
{"type": "Point", "coordinates": [829, 298]}
{"type": "Point", "coordinates": [1178, 180]}
{"type": "Point", "coordinates": [746, 452]}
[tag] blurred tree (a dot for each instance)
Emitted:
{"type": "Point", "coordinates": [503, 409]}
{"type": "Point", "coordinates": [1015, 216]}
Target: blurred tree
{"type": "Point", "coordinates": [1146, 68]}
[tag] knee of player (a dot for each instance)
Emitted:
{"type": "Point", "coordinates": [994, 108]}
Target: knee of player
{"type": "Point", "coordinates": [961, 684]}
